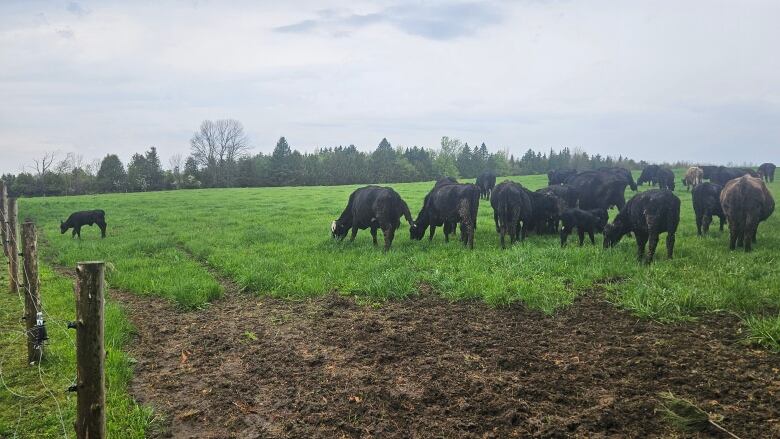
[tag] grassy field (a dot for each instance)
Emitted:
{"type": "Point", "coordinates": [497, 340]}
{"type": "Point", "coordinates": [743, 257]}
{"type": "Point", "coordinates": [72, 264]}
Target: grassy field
{"type": "Point", "coordinates": [277, 241]}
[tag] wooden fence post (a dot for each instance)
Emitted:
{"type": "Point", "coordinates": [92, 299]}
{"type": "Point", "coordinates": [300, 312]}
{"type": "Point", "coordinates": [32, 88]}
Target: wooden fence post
{"type": "Point", "coordinates": [33, 313]}
{"type": "Point", "coordinates": [3, 220]}
{"type": "Point", "coordinates": [13, 246]}
{"type": "Point", "coordinates": [90, 351]}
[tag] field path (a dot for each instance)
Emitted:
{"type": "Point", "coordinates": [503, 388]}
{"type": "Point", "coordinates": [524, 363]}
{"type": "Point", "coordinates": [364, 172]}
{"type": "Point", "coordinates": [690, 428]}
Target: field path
{"type": "Point", "coordinates": [426, 367]}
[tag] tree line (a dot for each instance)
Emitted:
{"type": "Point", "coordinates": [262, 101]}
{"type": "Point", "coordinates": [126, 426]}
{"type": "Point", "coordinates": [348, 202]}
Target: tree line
{"type": "Point", "coordinates": [219, 157]}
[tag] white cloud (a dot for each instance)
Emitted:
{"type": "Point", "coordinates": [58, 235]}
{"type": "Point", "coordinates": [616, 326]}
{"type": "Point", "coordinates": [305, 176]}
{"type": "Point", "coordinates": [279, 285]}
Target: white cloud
{"type": "Point", "coordinates": [655, 80]}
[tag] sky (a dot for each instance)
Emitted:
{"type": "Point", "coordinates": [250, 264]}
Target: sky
{"type": "Point", "coordinates": [697, 80]}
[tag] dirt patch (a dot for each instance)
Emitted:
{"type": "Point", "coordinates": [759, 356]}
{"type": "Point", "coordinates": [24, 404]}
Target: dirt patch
{"type": "Point", "coordinates": [425, 367]}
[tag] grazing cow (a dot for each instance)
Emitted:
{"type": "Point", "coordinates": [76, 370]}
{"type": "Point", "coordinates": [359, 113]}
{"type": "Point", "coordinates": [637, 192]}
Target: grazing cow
{"type": "Point", "coordinates": [449, 203]}
{"type": "Point", "coordinates": [372, 207]}
{"type": "Point", "coordinates": [511, 206]}
{"type": "Point", "coordinates": [622, 173]}
{"type": "Point", "coordinates": [647, 214]}
{"type": "Point", "coordinates": [767, 172]}
{"type": "Point", "coordinates": [693, 177]}
{"type": "Point", "coordinates": [706, 203]}
{"type": "Point", "coordinates": [449, 227]}
{"type": "Point", "coordinates": [648, 175]}
{"type": "Point", "coordinates": [486, 182]}
{"type": "Point", "coordinates": [665, 179]}
{"type": "Point", "coordinates": [746, 201]}
{"type": "Point", "coordinates": [589, 221]}
{"type": "Point", "coordinates": [84, 218]}
{"type": "Point", "coordinates": [708, 171]}
{"type": "Point", "coordinates": [599, 189]}
{"type": "Point", "coordinates": [559, 176]}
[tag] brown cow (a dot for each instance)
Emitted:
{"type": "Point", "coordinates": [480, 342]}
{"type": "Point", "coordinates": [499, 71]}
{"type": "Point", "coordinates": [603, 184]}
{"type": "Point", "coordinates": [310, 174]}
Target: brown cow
{"type": "Point", "coordinates": [746, 202]}
{"type": "Point", "coordinates": [693, 176]}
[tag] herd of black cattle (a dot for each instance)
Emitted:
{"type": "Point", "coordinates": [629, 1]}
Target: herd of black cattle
{"type": "Point", "coordinates": [572, 200]}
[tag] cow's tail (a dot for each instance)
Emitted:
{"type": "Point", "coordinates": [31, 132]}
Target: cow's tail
{"type": "Point", "coordinates": [405, 211]}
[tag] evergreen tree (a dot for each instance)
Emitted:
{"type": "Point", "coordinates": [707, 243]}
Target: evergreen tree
{"type": "Point", "coordinates": [112, 176]}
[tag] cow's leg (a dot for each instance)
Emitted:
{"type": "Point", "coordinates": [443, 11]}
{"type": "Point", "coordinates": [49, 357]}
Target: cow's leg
{"type": "Point", "coordinates": [354, 233]}
{"type": "Point", "coordinates": [733, 232]}
{"type": "Point", "coordinates": [581, 235]}
{"type": "Point", "coordinates": [700, 221]}
{"type": "Point", "coordinates": [653, 240]}
{"type": "Point", "coordinates": [741, 235]}
{"type": "Point", "coordinates": [495, 218]}
{"type": "Point", "coordinates": [389, 233]}
{"type": "Point", "coordinates": [78, 231]}
{"type": "Point", "coordinates": [102, 226]}
{"type": "Point", "coordinates": [670, 236]}
{"type": "Point", "coordinates": [433, 230]}
{"type": "Point", "coordinates": [641, 242]}
{"type": "Point", "coordinates": [373, 234]}
{"type": "Point", "coordinates": [470, 233]}
{"type": "Point", "coordinates": [590, 235]}
{"type": "Point", "coordinates": [501, 235]}
{"type": "Point", "coordinates": [722, 222]}
{"type": "Point", "coordinates": [73, 233]}
{"type": "Point", "coordinates": [565, 231]}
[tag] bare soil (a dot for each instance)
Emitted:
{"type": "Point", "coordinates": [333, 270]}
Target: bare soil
{"type": "Point", "coordinates": [253, 367]}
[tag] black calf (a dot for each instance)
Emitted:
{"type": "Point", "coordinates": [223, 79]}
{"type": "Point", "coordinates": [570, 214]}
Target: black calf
{"type": "Point", "coordinates": [84, 218]}
{"type": "Point", "coordinates": [589, 221]}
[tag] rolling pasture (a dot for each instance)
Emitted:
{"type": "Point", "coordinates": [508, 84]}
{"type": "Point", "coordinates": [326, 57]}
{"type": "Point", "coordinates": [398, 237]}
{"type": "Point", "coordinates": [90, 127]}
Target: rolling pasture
{"type": "Point", "coordinates": [173, 255]}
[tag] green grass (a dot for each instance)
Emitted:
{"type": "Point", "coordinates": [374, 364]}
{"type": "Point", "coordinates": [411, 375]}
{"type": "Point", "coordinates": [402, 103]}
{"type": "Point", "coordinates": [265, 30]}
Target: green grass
{"type": "Point", "coordinates": [277, 241]}
{"type": "Point", "coordinates": [33, 399]}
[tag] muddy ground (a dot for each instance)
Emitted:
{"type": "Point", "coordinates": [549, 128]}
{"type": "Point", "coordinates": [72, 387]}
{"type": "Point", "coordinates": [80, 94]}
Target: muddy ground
{"type": "Point", "coordinates": [258, 367]}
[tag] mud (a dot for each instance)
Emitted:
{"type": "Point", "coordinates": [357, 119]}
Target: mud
{"type": "Point", "coordinates": [253, 367]}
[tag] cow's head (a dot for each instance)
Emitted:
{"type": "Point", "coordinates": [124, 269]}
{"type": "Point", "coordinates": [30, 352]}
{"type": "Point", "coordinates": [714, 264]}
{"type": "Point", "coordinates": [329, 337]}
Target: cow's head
{"type": "Point", "coordinates": [612, 235]}
{"type": "Point", "coordinates": [338, 230]}
{"type": "Point", "coordinates": [63, 227]}
{"type": "Point", "coordinates": [417, 228]}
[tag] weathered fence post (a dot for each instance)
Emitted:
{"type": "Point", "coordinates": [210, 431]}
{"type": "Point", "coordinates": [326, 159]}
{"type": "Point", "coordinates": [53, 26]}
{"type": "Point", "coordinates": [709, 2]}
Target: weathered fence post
{"type": "Point", "coordinates": [13, 246]}
{"type": "Point", "coordinates": [90, 352]}
{"type": "Point", "coordinates": [3, 220]}
{"type": "Point", "coordinates": [33, 313]}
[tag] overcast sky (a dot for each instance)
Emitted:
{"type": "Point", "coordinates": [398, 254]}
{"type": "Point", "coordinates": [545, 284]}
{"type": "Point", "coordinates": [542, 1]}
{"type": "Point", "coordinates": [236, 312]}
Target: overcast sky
{"type": "Point", "coordinates": [655, 80]}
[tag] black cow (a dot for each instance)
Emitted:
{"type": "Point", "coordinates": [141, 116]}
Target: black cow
{"type": "Point", "coordinates": [723, 174]}
{"type": "Point", "coordinates": [511, 206]}
{"type": "Point", "coordinates": [372, 207]}
{"type": "Point", "coordinates": [708, 171]}
{"type": "Point", "coordinates": [445, 180]}
{"type": "Point", "coordinates": [665, 179]}
{"type": "Point", "coordinates": [767, 172]}
{"type": "Point", "coordinates": [599, 189]}
{"type": "Point", "coordinates": [746, 201]}
{"type": "Point", "coordinates": [449, 227]}
{"type": "Point", "coordinates": [622, 173]}
{"type": "Point", "coordinates": [647, 214]}
{"type": "Point", "coordinates": [546, 209]}
{"type": "Point", "coordinates": [648, 175]}
{"type": "Point", "coordinates": [84, 218]}
{"type": "Point", "coordinates": [706, 204]}
{"type": "Point", "coordinates": [589, 221]}
{"type": "Point", "coordinates": [563, 191]}
{"type": "Point", "coordinates": [486, 182]}
{"type": "Point", "coordinates": [559, 176]}
{"type": "Point", "coordinates": [449, 203]}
